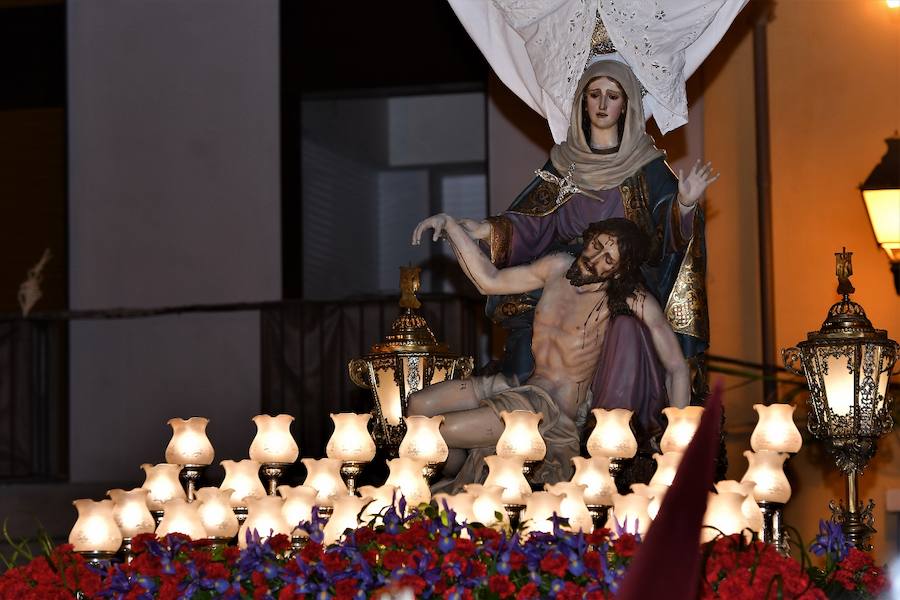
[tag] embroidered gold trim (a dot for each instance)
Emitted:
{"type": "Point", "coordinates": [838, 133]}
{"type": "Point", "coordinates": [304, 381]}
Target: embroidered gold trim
{"type": "Point", "coordinates": [500, 240]}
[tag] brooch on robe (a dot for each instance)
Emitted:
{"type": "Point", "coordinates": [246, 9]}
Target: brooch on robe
{"type": "Point", "coordinates": [566, 187]}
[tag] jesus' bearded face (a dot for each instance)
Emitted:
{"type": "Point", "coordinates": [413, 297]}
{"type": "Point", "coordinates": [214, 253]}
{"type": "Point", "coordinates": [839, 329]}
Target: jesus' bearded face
{"type": "Point", "coordinates": [597, 262]}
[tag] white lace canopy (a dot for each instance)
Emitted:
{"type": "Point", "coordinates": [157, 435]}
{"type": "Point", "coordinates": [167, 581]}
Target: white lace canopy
{"type": "Point", "coordinates": [539, 48]}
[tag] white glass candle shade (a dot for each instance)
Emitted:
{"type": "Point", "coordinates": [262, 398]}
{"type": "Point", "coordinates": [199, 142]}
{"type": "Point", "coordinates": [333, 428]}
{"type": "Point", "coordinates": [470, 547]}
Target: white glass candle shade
{"type": "Point", "coordinates": [181, 516]}
{"type": "Point", "coordinates": [299, 502]}
{"type": "Point", "coordinates": [243, 478]}
{"type": "Point", "coordinates": [161, 481]}
{"type": "Point", "coordinates": [723, 514]}
{"type": "Point", "coordinates": [351, 441]}
{"type": "Point", "coordinates": [631, 513]}
{"type": "Point", "coordinates": [462, 504]}
{"type": "Point", "coordinates": [775, 429]}
{"type": "Point", "coordinates": [539, 510]}
{"type": "Point", "coordinates": [216, 513]}
{"type": "Point", "coordinates": [423, 440]}
{"type": "Point", "coordinates": [593, 473]}
{"type": "Point", "coordinates": [521, 436]}
{"type": "Point", "coordinates": [382, 497]}
{"type": "Point", "coordinates": [189, 444]}
{"type": "Point", "coordinates": [95, 530]}
{"type": "Point", "coordinates": [612, 436]}
{"type": "Point", "coordinates": [406, 476]}
{"type": "Point", "coordinates": [488, 504]}
{"type": "Point", "coordinates": [131, 513]}
{"type": "Point", "coordinates": [274, 443]}
{"type": "Point", "coordinates": [324, 476]}
{"type": "Point", "coordinates": [572, 506]}
{"type": "Point", "coordinates": [766, 470]}
{"type": "Point", "coordinates": [265, 517]}
{"type": "Point", "coordinates": [506, 471]}
{"type": "Point", "coordinates": [666, 467]}
{"type": "Point", "coordinates": [655, 492]}
{"type": "Point", "coordinates": [682, 424]}
{"type": "Point", "coordinates": [749, 507]}
{"type": "Point", "coordinates": [346, 514]}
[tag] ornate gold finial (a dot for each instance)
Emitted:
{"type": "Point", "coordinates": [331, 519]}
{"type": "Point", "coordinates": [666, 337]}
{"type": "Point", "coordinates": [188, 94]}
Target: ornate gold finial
{"type": "Point", "coordinates": [600, 42]}
{"type": "Point", "coordinates": [409, 285]}
{"type": "Point", "coordinates": [843, 270]}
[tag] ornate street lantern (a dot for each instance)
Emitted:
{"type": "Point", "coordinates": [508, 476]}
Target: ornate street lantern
{"type": "Point", "coordinates": [881, 194]}
{"type": "Point", "coordinates": [407, 360]}
{"type": "Point", "coordinates": [847, 364]}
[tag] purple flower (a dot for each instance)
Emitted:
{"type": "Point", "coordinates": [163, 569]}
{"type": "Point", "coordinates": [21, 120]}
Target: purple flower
{"type": "Point", "coordinates": [831, 541]}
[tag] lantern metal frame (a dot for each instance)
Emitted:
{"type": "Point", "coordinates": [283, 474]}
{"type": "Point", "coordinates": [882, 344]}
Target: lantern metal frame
{"type": "Point", "coordinates": [850, 438]}
{"type": "Point", "coordinates": [886, 176]}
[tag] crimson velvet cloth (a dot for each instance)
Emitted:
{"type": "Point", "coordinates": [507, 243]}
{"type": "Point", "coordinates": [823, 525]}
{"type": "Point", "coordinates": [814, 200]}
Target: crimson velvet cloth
{"type": "Point", "coordinates": [668, 562]}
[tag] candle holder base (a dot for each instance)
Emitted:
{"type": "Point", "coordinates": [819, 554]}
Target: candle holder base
{"type": "Point", "coordinates": [325, 512]}
{"type": "Point", "coordinates": [297, 543]}
{"type": "Point", "coordinates": [241, 513]}
{"type": "Point", "coordinates": [529, 468]}
{"type": "Point", "coordinates": [273, 472]}
{"type": "Point", "coordinates": [773, 527]}
{"type": "Point", "coordinates": [125, 551]}
{"type": "Point", "coordinates": [158, 516]}
{"type": "Point", "coordinates": [350, 470]}
{"type": "Point", "coordinates": [219, 542]}
{"type": "Point", "coordinates": [189, 476]}
{"type": "Point", "coordinates": [97, 558]}
{"type": "Point", "coordinates": [599, 514]}
{"type": "Point", "coordinates": [514, 512]}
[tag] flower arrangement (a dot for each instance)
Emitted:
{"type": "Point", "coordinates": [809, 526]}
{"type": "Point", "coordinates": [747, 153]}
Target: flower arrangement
{"type": "Point", "coordinates": [428, 552]}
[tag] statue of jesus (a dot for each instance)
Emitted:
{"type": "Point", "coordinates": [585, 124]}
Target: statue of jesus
{"type": "Point", "coordinates": [580, 297]}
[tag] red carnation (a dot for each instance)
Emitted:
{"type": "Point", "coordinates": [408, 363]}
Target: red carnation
{"type": "Point", "coordinates": [625, 545]}
{"type": "Point", "coordinates": [311, 552]}
{"type": "Point", "coordinates": [393, 559]}
{"type": "Point", "coordinates": [555, 563]}
{"type": "Point", "coordinates": [346, 588]}
{"type": "Point", "coordinates": [280, 543]}
{"type": "Point", "coordinates": [501, 585]}
{"type": "Point", "coordinates": [516, 560]}
{"type": "Point", "coordinates": [528, 591]}
{"type": "Point", "coordinates": [414, 582]}
{"type": "Point", "coordinates": [364, 535]}
{"type": "Point", "coordinates": [334, 562]}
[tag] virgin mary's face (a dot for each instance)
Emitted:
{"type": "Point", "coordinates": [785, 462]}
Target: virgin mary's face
{"type": "Point", "coordinates": [604, 102]}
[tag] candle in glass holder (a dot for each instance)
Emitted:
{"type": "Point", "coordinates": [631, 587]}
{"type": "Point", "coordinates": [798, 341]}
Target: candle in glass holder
{"type": "Point", "coordinates": [189, 444]}
{"type": "Point", "coordinates": [612, 436]}
{"type": "Point", "coordinates": [243, 478]}
{"type": "Point", "coordinates": [95, 530]}
{"type": "Point", "coordinates": [324, 476]}
{"type": "Point", "coordinates": [216, 514]}
{"type": "Point", "coordinates": [593, 473]}
{"type": "Point", "coordinates": [749, 507]}
{"type": "Point", "coordinates": [488, 504]}
{"type": "Point", "coordinates": [423, 440]}
{"type": "Point", "coordinates": [351, 441]}
{"type": "Point", "coordinates": [181, 517]}
{"type": "Point", "coordinates": [382, 497]}
{"type": "Point", "coordinates": [775, 430]}
{"type": "Point", "coordinates": [767, 471]}
{"type": "Point", "coordinates": [406, 476]}
{"type": "Point", "coordinates": [723, 515]}
{"type": "Point", "coordinates": [666, 467]}
{"type": "Point", "coordinates": [631, 514]}
{"type": "Point", "coordinates": [539, 509]}
{"type": "Point", "coordinates": [506, 471]}
{"type": "Point", "coordinates": [521, 436]}
{"type": "Point", "coordinates": [131, 513]}
{"type": "Point", "coordinates": [572, 506]}
{"type": "Point", "coordinates": [345, 516]}
{"type": "Point", "coordinates": [274, 443]}
{"type": "Point", "coordinates": [655, 492]}
{"type": "Point", "coordinates": [299, 502]}
{"type": "Point", "coordinates": [161, 481]}
{"type": "Point", "coordinates": [682, 424]}
{"type": "Point", "coordinates": [265, 518]}
{"type": "Point", "coordinates": [460, 503]}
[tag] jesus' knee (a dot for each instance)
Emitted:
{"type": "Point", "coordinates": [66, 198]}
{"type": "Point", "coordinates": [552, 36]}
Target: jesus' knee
{"type": "Point", "coordinates": [418, 404]}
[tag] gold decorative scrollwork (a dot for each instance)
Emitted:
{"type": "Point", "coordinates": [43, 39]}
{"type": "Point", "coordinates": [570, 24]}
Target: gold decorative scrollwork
{"type": "Point", "coordinates": [359, 373]}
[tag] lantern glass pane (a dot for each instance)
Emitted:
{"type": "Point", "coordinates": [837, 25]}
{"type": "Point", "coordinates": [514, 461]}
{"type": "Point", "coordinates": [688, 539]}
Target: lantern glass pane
{"type": "Point", "coordinates": [884, 213]}
{"type": "Point", "coordinates": [388, 394]}
{"type": "Point", "coordinates": [839, 384]}
{"type": "Point", "coordinates": [440, 374]}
